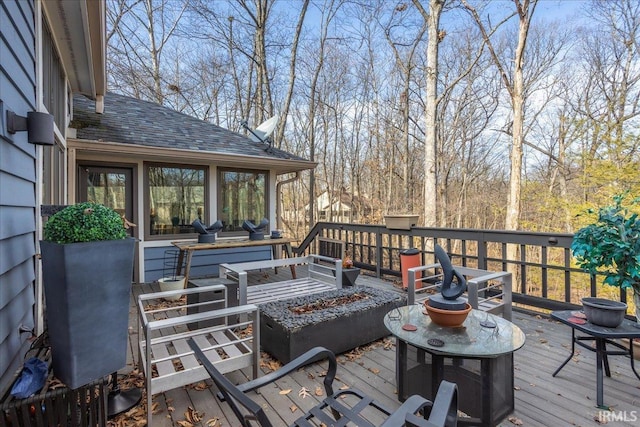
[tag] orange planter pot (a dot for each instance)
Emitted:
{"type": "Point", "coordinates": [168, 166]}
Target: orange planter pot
{"type": "Point", "coordinates": [448, 318]}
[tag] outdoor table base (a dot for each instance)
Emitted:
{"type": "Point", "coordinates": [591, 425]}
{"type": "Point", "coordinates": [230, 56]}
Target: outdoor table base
{"type": "Point", "coordinates": [476, 356]}
{"type": "Point", "coordinates": [602, 336]}
{"type": "Point", "coordinates": [485, 386]}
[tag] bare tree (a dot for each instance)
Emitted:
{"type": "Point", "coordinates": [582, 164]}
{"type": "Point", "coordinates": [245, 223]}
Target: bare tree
{"type": "Point", "coordinates": [514, 85]}
{"type": "Point", "coordinates": [129, 21]}
{"type": "Point", "coordinates": [432, 18]}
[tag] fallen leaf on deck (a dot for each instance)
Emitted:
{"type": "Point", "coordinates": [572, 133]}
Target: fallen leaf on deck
{"type": "Point", "coordinates": [599, 420]}
{"type": "Point", "coordinates": [212, 422]}
{"type": "Point", "coordinates": [319, 391]}
{"type": "Point", "coordinates": [515, 421]}
{"type": "Point", "coordinates": [375, 370]}
{"type": "Point", "coordinates": [170, 408]}
{"type": "Point", "coordinates": [287, 391]}
{"type": "Point", "coordinates": [293, 408]}
{"type": "Point", "coordinates": [192, 415]}
{"type": "Point", "coordinates": [185, 424]}
{"type": "Point", "coordinates": [543, 341]}
{"type": "Point", "coordinates": [304, 392]}
{"type": "Point", "coordinates": [344, 387]}
{"type": "Point", "coordinates": [516, 388]}
{"type": "Point", "coordinates": [200, 386]}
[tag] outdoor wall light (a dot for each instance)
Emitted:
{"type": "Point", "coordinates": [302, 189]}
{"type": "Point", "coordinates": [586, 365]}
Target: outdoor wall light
{"type": "Point", "coordinates": [39, 126]}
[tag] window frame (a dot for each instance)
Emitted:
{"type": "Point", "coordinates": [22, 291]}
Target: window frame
{"type": "Point", "coordinates": [219, 200]}
{"type": "Point", "coordinates": [147, 205]}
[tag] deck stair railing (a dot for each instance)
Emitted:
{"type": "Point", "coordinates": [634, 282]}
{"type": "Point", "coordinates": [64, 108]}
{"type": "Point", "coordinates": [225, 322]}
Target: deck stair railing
{"type": "Point", "coordinates": [545, 275]}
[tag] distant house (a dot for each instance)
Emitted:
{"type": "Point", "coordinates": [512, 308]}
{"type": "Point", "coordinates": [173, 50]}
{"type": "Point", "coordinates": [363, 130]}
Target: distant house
{"type": "Point", "coordinates": [160, 168]}
{"type": "Point", "coordinates": [340, 207]}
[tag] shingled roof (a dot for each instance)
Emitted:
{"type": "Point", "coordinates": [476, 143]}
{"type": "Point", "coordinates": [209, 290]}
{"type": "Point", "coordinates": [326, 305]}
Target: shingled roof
{"type": "Point", "coordinates": [133, 121]}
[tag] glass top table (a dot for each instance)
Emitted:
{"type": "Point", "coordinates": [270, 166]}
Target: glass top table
{"type": "Point", "coordinates": [477, 356]}
{"type": "Point", "coordinates": [469, 341]}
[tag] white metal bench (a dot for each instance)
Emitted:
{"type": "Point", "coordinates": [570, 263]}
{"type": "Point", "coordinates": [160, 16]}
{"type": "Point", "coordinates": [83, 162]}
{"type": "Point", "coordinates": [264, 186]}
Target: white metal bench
{"type": "Point", "coordinates": [164, 328]}
{"type": "Point", "coordinates": [320, 277]}
{"type": "Point", "coordinates": [486, 290]}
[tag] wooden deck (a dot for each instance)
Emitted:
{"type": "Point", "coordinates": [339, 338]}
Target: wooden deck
{"type": "Point", "coordinates": [540, 399]}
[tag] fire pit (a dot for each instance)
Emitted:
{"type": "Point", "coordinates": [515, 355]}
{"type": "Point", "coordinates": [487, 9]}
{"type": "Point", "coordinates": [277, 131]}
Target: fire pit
{"type": "Point", "coordinates": [338, 320]}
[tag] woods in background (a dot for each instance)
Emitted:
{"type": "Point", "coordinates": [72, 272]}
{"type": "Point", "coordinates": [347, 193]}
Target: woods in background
{"type": "Point", "coordinates": [503, 114]}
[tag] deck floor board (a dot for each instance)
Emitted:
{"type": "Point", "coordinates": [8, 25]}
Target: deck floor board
{"type": "Point", "coordinates": [540, 399]}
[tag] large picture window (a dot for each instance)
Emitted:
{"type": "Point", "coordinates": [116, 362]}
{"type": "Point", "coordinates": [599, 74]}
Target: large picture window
{"type": "Point", "coordinates": [242, 196]}
{"type": "Point", "coordinates": [176, 197]}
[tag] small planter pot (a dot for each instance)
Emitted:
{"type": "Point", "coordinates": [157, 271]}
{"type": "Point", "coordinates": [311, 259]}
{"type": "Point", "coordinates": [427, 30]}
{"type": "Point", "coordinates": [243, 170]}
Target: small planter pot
{"type": "Point", "coordinates": [172, 284]}
{"type": "Point", "coordinates": [447, 318]}
{"type": "Point", "coordinates": [349, 276]}
{"type": "Point", "coordinates": [604, 312]}
{"type": "Point", "coordinates": [400, 222]}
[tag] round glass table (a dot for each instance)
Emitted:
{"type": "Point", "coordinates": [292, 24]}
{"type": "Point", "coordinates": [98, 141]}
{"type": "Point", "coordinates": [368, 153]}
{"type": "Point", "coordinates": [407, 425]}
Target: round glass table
{"type": "Point", "coordinates": [478, 356]}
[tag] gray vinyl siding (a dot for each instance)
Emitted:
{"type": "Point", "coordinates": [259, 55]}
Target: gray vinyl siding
{"type": "Point", "coordinates": [17, 185]}
{"type": "Point", "coordinates": [203, 263]}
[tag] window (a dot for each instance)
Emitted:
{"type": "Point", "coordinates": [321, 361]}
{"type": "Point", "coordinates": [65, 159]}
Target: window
{"type": "Point", "coordinates": [176, 197]}
{"type": "Point", "coordinates": [53, 175]}
{"type": "Point", "coordinates": [54, 91]}
{"type": "Point", "coordinates": [242, 196]}
{"type": "Point", "coordinates": [53, 80]}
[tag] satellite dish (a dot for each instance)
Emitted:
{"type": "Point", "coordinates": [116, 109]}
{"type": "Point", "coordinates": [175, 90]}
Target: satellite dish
{"type": "Point", "coordinates": [262, 132]}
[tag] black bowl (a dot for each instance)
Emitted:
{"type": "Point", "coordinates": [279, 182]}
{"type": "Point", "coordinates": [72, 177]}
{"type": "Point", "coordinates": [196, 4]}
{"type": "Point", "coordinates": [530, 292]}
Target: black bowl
{"type": "Point", "coordinates": [604, 312]}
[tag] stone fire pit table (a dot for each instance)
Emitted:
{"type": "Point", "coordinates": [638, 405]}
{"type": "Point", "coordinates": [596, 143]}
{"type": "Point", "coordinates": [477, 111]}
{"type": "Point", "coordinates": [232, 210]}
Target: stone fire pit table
{"type": "Point", "coordinates": [290, 327]}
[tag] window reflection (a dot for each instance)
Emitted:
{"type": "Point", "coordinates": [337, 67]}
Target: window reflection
{"type": "Point", "coordinates": [242, 197]}
{"type": "Point", "coordinates": [176, 199]}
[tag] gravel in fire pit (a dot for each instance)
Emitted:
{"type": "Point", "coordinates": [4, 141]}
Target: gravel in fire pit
{"type": "Point", "coordinates": [298, 312]}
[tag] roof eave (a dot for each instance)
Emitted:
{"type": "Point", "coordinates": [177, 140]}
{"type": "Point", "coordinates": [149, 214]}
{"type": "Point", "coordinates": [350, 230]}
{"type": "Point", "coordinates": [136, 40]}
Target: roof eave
{"type": "Point", "coordinates": [79, 27]}
{"type": "Point", "coordinates": [281, 166]}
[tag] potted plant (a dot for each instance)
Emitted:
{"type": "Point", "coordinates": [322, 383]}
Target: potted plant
{"type": "Point", "coordinates": [87, 270]}
{"type": "Point", "coordinates": [170, 281]}
{"type": "Point", "coordinates": [349, 272]}
{"type": "Point", "coordinates": [611, 246]}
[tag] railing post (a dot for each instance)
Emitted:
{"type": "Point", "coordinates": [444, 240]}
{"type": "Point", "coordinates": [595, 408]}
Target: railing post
{"type": "Point", "coordinates": [482, 252]}
{"type": "Point", "coordinates": [378, 252]}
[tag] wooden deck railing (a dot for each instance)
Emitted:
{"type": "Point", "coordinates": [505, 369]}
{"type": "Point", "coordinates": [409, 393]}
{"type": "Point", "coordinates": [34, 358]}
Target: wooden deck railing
{"type": "Point", "coordinates": [545, 275]}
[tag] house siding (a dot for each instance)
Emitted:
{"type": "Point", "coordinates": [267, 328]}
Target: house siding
{"type": "Point", "coordinates": [203, 263]}
{"type": "Point", "coordinates": [17, 186]}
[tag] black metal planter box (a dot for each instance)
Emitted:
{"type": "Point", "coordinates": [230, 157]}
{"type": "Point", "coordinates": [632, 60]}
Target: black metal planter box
{"type": "Point", "coordinates": [285, 335]}
{"type": "Point", "coordinates": [87, 288]}
{"type": "Point", "coordinates": [83, 407]}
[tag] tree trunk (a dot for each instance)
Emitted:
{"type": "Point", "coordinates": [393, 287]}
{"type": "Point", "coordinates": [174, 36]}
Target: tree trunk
{"type": "Point", "coordinates": [430, 179]}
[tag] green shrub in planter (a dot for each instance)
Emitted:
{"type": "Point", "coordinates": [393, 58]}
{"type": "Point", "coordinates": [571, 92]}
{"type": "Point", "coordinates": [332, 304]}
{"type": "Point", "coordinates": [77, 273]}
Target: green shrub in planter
{"type": "Point", "coordinates": [610, 245]}
{"type": "Point", "coordinates": [84, 222]}
{"type": "Point", "coordinates": [87, 270]}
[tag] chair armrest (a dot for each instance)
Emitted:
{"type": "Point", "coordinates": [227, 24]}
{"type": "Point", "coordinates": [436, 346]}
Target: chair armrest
{"type": "Point", "coordinates": [145, 311]}
{"type": "Point", "coordinates": [444, 412]}
{"type": "Point", "coordinates": [310, 356]}
{"type": "Point", "coordinates": [411, 285]}
{"type": "Point", "coordinates": [205, 315]}
{"type": "Point", "coordinates": [222, 381]}
{"type": "Point", "coordinates": [491, 276]}
{"type": "Point", "coordinates": [410, 406]}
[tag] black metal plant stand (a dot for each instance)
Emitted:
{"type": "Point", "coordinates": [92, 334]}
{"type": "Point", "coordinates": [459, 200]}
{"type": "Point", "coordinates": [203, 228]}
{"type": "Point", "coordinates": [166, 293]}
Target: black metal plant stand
{"type": "Point", "coordinates": [120, 401]}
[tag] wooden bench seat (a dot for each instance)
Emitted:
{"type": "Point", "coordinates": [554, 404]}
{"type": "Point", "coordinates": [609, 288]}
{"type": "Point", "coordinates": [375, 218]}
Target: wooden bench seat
{"type": "Point", "coordinates": [323, 274]}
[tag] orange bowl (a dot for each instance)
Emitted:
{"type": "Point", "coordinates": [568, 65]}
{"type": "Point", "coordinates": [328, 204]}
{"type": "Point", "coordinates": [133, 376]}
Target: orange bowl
{"type": "Point", "coordinates": [449, 318]}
